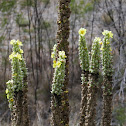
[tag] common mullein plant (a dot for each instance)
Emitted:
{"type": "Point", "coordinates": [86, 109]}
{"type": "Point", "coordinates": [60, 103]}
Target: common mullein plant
{"type": "Point", "coordinates": [59, 61]}
{"type": "Point", "coordinates": [84, 64]}
{"type": "Point", "coordinates": [17, 76]}
{"type": "Point", "coordinates": [107, 77]}
{"type": "Point", "coordinates": [63, 31]}
{"type": "Point", "coordinates": [16, 86]}
{"type": "Point", "coordinates": [93, 83]}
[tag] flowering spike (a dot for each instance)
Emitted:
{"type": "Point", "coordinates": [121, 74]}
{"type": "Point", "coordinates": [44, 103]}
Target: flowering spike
{"type": "Point", "coordinates": [106, 53]}
{"type": "Point", "coordinates": [17, 87]}
{"type": "Point", "coordinates": [59, 73]}
{"type": "Point", "coordinates": [84, 64]}
{"type": "Point", "coordinates": [82, 31]}
{"type": "Point", "coordinates": [14, 42]}
{"type": "Point", "coordinates": [108, 34]}
{"type": "Point", "coordinates": [83, 51]}
{"type": "Point", "coordinates": [95, 56]}
{"type": "Point", "coordinates": [107, 78]}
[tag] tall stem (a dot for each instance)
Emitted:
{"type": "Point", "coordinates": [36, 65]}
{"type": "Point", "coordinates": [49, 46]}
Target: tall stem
{"type": "Point", "coordinates": [107, 78]}
{"type": "Point", "coordinates": [84, 64]}
{"type": "Point", "coordinates": [60, 104]}
{"type": "Point", "coordinates": [93, 83]}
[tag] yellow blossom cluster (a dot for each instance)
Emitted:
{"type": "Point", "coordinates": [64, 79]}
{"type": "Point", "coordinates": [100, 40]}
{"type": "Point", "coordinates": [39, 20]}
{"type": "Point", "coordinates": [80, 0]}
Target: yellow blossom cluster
{"type": "Point", "coordinates": [12, 42]}
{"type": "Point", "coordinates": [61, 58]}
{"type": "Point", "coordinates": [21, 51]}
{"type": "Point", "coordinates": [19, 71]}
{"type": "Point", "coordinates": [62, 54]}
{"type": "Point", "coordinates": [15, 55]}
{"type": "Point", "coordinates": [108, 33]}
{"type": "Point", "coordinates": [82, 31]}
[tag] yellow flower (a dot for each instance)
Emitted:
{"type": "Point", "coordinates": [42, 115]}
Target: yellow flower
{"type": "Point", "coordinates": [109, 33]}
{"type": "Point", "coordinates": [16, 42]}
{"type": "Point", "coordinates": [54, 61]}
{"type": "Point", "coordinates": [11, 55]}
{"type": "Point", "coordinates": [65, 91]}
{"type": "Point", "coordinates": [110, 49]}
{"type": "Point", "coordinates": [59, 22]}
{"type": "Point", "coordinates": [7, 91]}
{"type": "Point", "coordinates": [100, 43]}
{"type": "Point", "coordinates": [101, 48]}
{"type": "Point", "coordinates": [13, 42]}
{"type": "Point", "coordinates": [62, 54]}
{"type": "Point", "coordinates": [54, 65]}
{"type": "Point", "coordinates": [82, 31]}
{"type": "Point", "coordinates": [105, 32]}
{"type": "Point", "coordinates": [11, 99]}
{"type": "Point", "coordinates": [58, 64]}
{"type": "Point", "coordinates": [52, 55]}
{"type": "Point", "coordinates": [18, 56]}
{"type": "Point", "coordinates": [21, 51]}
{"type": "Point", "coordinates": [19, 43]}
{"type": "Point", "coordinates": [107, 42]}
{"type": "Point", "coordinates": [7, 96]}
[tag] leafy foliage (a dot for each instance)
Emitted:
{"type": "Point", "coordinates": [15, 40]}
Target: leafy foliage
{"type": "Point", "coordinates": [6, 6]}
